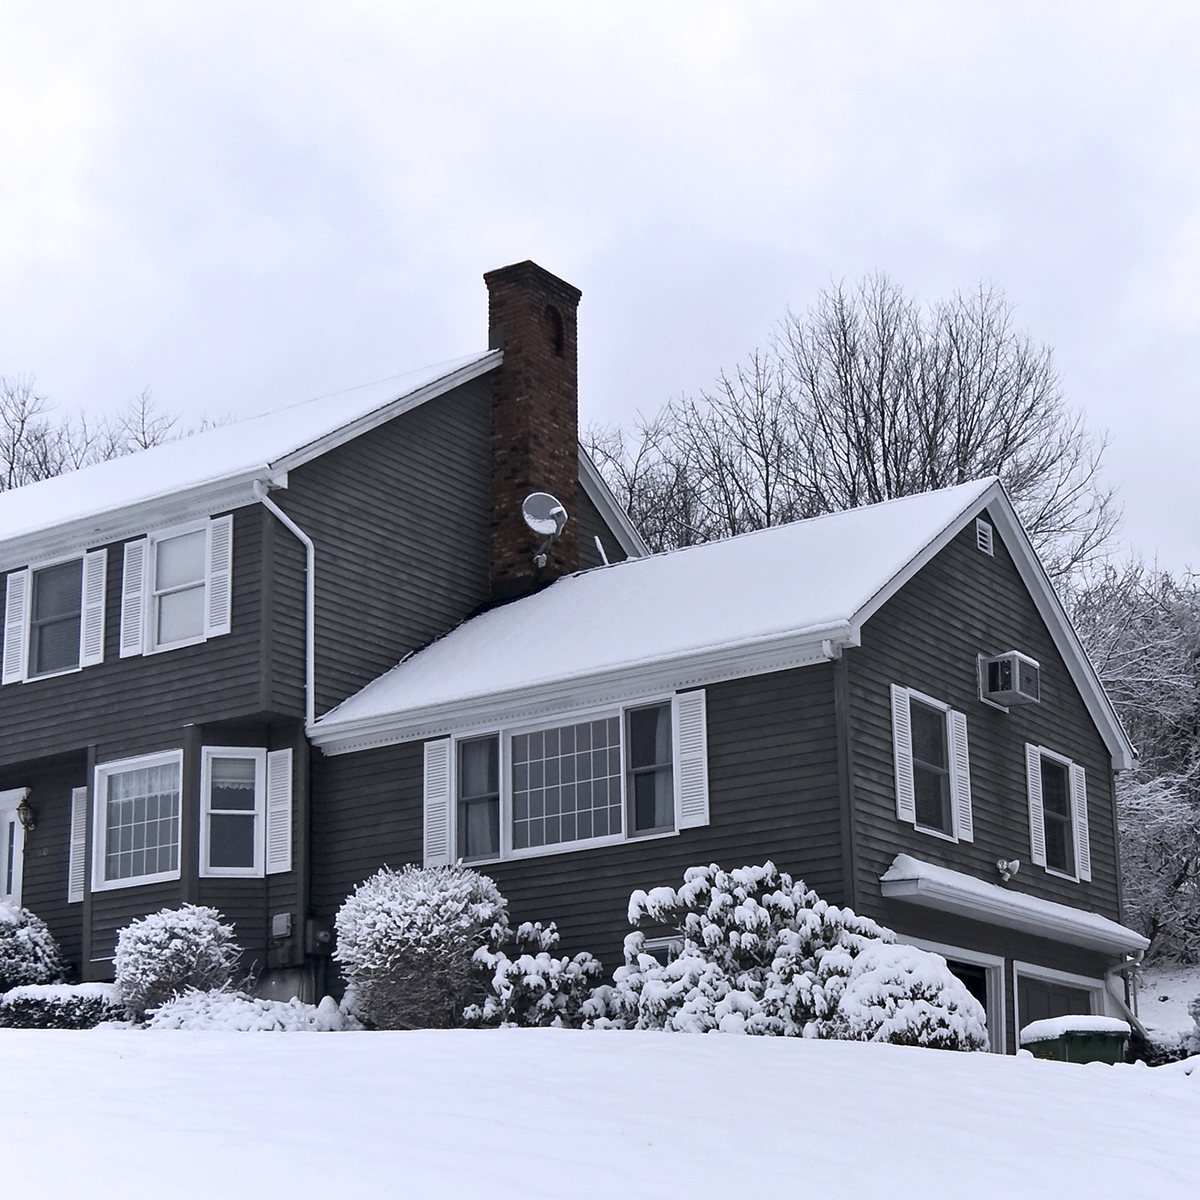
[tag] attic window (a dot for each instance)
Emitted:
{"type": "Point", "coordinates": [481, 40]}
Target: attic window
{"type": "Point", "coordinates": [983, 536]}
{"type": "Point", "coordinates": [555, 321]}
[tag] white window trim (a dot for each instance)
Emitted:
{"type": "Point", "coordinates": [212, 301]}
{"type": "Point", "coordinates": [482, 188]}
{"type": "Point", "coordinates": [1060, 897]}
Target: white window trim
{"type": "Point", "coordinates": [259, 756]}
{"type": "Point", "coordinates": [506, 734]}
{"type": "Point", "coordinates": [1086, 983]}
{"type": "Point", "coordinates": [150, 643]}
{"type": "Point", "coordinates": [956, 834]}
{"type": "Point", "coordinates": [994, 965]}
{"type": "Point", "coordinates": [80, 556]}
{"type": "Point", "coordinates": [100, 822]}
{"type": "Point", "coordinates": [1069, 764]}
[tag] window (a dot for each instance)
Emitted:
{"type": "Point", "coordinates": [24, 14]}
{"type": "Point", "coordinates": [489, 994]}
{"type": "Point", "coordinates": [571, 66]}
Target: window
{"type": "Point", "coordinates": [233, 791]}
{"type": "Point", "coordinates": [54, 617]}
{"type": "Point", "coordinates": [479, 798]}
{"type": "Point", "coordinates": [628, 773]}
{"type": "Point", "coordinates": [136, 820]}
{"type": "Point", "coordinates": [1058, 817]}
{"type": "Point", "coordinates": [176, 587]}
{"type": "Point", "coordinates": [932, 761]}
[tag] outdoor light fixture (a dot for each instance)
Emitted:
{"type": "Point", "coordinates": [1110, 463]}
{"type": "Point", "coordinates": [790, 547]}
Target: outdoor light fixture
{"type": "Point", "coordinates": [1008, 867]}
{"type": "Point", "coordinates": [25, 815]}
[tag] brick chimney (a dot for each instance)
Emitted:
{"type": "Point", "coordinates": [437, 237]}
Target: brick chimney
{"type": "Point", "coordinates": [535, 421]}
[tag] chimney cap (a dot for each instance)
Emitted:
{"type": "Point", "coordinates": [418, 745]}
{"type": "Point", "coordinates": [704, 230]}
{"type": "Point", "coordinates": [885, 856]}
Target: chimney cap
{"type": "Point", "coordinates": [529, 273]}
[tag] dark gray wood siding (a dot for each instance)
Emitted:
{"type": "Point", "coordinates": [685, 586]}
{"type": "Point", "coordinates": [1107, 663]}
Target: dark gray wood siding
{"type": "Point", "coordinates": [592, 526]}
{"type": "Point", "coordinates": [927, 637]}
{"type": "Point", "coordinates": [400, 517]}
{"type": "Point", "coordinates": [773, 784]}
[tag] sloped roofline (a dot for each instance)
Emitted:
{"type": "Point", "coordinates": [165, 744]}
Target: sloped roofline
{"type": "Point", "coordinates": [778, 651]}
{"type": "Point", "coordinates": [1045, 598]}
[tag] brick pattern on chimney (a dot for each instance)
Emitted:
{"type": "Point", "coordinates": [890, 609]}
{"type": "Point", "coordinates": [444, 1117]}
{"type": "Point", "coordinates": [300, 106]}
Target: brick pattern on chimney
{"type": "Point", "coordinates": [535, 421]}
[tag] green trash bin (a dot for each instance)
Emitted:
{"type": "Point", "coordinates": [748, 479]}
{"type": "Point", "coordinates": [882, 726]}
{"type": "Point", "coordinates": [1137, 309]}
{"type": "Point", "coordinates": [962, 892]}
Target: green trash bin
{"type": "Point", "coordinates": [1077, 1039]}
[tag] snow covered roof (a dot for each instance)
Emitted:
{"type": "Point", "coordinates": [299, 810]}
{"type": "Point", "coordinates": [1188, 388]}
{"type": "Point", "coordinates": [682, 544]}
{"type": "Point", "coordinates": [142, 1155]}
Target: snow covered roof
{"type": "Point", "coordinates": [764, 601]}
{"type": "Point", "coordinates": [937, 887]}
{"type": "Point", "coordinates": [208, 471]}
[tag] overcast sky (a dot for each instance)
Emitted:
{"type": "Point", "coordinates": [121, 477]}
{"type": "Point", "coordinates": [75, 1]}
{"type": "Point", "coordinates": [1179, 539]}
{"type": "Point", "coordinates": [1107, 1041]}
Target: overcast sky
{"type": "Point", "coordinates": [242, 205]}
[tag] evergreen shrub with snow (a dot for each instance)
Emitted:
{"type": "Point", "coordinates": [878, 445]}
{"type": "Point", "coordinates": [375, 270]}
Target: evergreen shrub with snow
{"type": "Point", "coordinates": [231, 1010]}
{"type": "Point", "coordinates": [171, 951]}
{"type": "Point", "coordinates": [60, 1006]}
{"type": "Point", "coordinates": [532, 987]}
{"type": "Point", "coordinates": [28, 952]}
{"type": "Point", "coordinates": [406, 942]}
{"type": "Point", "coordinates": [763, 954]}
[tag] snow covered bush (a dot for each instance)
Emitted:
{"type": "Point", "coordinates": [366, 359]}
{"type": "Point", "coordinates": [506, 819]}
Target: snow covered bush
{"type": "Point", "coordinates": [237, 1011]}
{"type": "Point", "coordinates": [28, 952]}
{"type": "Point", "coordinates": [532, 987]}
{"type": "Point", "coordinates": [60, 1006]}
{"type": "Point", "coordinates": [165, 954]}
{"type": "Point", "coordinates": [763, 954]}
{"type": "Point", "coordinates": [406, 941]}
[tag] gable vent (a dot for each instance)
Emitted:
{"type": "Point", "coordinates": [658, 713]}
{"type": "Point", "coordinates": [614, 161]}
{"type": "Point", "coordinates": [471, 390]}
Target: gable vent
{"type": "Point", "coordinates": [983, 536]}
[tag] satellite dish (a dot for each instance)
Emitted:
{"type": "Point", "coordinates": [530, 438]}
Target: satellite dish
{"type": "Point", "coordinates": [543, 514]}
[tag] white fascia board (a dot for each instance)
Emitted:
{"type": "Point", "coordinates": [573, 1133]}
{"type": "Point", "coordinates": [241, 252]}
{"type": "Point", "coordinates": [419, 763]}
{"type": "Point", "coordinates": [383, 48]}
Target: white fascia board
{"type": "Point", "coordinates": [1033, 574]}
{"type": "Point", "coordinates": [620, 685]}
{"type": "Point", "coordinates": [221, 495]}
{"type": "Point", "coordinates": [388, 412]}
{"type": "Point", "coordinates": [615, 517]}
{"type": "Point", "coordinates": [965, 896]}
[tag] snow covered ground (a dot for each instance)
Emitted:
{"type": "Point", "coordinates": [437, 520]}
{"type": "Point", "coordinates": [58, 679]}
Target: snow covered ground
{"type": "Point", "coordinates": [1164, 996]}
{"type": "Point", "coordinates": [115, 1112]}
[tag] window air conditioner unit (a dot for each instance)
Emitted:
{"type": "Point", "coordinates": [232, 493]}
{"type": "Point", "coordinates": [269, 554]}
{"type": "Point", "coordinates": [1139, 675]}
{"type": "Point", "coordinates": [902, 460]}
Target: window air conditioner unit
{"type": "Point", "coordinates": [1010, 678]}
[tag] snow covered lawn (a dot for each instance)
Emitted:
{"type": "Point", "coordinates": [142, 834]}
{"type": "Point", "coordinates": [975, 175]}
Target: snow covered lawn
{"type": "Point", "coordinates": [574, 1115]}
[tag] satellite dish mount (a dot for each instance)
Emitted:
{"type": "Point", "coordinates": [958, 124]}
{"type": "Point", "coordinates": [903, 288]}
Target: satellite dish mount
{"type": "Point", "coordinates": [546, 517]}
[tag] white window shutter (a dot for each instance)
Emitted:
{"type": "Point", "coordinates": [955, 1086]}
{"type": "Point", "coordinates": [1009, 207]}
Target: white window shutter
{"type": "Point", "coordinates": [133, 597]}
{"type": "Point", "coordinates": [960, 775]}
{"type": "Point", "coordinates": [906, 792]}
{"type": "Point", "coordinates": [16, 627]}
{"type": "Point", "coordinates": [691, 760]}
{"type": "Point", "coordinates": [1037, 819]}
{"type": "Point", "coordinates": [1083, 845]}
{"type": "Point", "coordinates": [220, 576]}
{"type": "Point", "coordinates": [91, 627]}
{"type": "Point", "coordinates": [78, 856]}
{"type": "Point", "coordinates": [437, 803]}
{"type": "Point", "coordinates": [279, 811]}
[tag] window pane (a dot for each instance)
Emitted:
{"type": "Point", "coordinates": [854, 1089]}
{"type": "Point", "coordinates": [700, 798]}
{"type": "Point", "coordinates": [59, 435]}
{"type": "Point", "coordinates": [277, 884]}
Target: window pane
{"type": "Point", "coordinates": [56, 590]}
{"type": "Point", "coordinates": [932, 798]}
{"type": "Point", "coordinates": [231, 840]}
{"type": "Point", "coordinates": [56, 645]}
{"type": "Point", "coordinates": [653, 799]}
{"type": "Point", "coordinates": [479, 829]}
{"type": "Point", "coordinates": [179, 561]}
{"type": "Point", "coordinates": [650, 736]}
{"type": "Point", "coordinates": [233, 781]}
{"type": "Point", "coordinates": [55, 619]}
{"type": "Point", "coordinates": [570, 788]}
{"type": "Point", "coordinates": [142, 822]}
{"type": "Point", "coordinates": [181, 615]}
{"type": "Point", "coordinates": [928, 735]}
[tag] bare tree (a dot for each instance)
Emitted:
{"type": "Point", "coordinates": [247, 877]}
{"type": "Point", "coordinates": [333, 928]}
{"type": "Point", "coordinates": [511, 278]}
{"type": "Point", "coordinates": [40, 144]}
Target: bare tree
{"type": "Point", "coordinates": [1142, 630]}
{"type": "Point", "coordinates": [35, 445]}
{"type": "Point", "coordinates": [866, 397]}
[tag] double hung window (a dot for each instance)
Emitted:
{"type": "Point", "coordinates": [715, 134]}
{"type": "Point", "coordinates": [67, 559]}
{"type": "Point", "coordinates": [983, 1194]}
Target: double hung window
{"type": "Point", "coordinates": [1058, 816]}
{"type": "Point", "coordinates": [176, 587]}
{"type": "Point", "coordinates": [932, 764]}
{"type": "Point", "coordinates": [54, 617]}
{"type": "Point", "coordinates": [233, 792]}
{"type": "Point", "coordinates": [628, 773]}
{"type": "Point", "coordinates": [136, 818]}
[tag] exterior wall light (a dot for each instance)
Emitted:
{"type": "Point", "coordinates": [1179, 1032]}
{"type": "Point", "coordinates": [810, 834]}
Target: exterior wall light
{"type": "Point", "coordinates": [26, 815]}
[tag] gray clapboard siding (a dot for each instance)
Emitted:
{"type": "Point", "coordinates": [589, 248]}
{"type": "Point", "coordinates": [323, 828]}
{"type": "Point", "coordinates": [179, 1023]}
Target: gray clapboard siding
{"type": "Point", "coordinates": [134, 705]}
{"type": "Point", "coordinates": [591, 526]}
{"type": "Point", "coordinates": [401, 522]}
{"type": "Point", "coordinates": [773, 787]}
{"type": "Point", "coordinates": [927, 637]}
{"type": "Point", "coordinates": [116, 910]}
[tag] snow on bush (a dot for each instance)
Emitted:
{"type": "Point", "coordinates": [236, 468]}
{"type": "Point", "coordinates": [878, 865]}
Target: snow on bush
{"type": "Point", "coordinates": [532, 987]}
{"type": "Point", "coordinates": [763, 954]}
{"type": "Point", "coordinates": [28, 952]}
{"type": "Point", "coordinates": [237, 1011]}
{"type": "Point", "coordinates": [406, 941]}
{"type": "Point", "coordinates": [171, 951]}
{"type": "Point", "coordinates": [60, 1006]}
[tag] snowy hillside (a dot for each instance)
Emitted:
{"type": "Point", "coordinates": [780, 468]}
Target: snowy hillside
{"type": "Point", "coordinates": [546, 1113]}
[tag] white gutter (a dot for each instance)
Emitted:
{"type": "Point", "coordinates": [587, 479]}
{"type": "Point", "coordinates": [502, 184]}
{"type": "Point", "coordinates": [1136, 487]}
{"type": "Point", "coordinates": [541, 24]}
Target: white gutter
{"type": "Point", "coordinates": [310, 605]}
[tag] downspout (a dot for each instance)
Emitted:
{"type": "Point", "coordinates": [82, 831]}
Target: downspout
{"type": "Point", "coordinates": [310, 670]}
